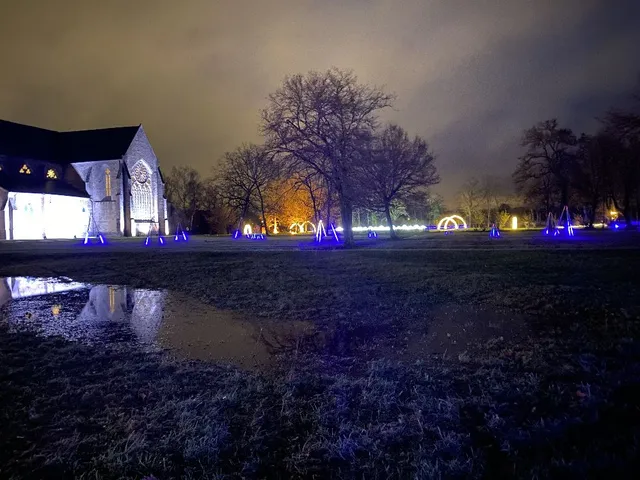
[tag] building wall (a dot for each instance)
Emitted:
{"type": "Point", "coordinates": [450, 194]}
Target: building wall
{"type": "Point", "coordinates": [4, 214]}
{"type": "Point", "coordinates": [107, 209]}
{"type": "Point", "coordinates": [141, 149]}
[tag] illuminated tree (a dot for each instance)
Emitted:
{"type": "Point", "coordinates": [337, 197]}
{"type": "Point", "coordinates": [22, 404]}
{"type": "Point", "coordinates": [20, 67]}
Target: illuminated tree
{"type": "Point", "coordinates": [320, 122]}
{"type": "Point", "coordinates": [289, 203]}
{"type": "Point", "coordinates": [184, 189]}
{"type": "Point", "coordinates": [396, 168]}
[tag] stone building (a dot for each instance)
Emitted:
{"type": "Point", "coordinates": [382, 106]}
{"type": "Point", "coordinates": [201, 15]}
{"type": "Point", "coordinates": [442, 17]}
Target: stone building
{"type": "Point", "coordinates": [65, 184]}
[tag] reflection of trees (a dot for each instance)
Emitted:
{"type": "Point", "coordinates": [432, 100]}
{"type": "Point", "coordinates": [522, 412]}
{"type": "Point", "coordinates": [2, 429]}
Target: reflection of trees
{"type": "Point", "coordinates": [286, 343]}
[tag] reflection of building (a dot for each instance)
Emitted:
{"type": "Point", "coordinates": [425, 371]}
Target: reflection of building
{"type": "Point", "coordinates": [75, 310]}
{"type": "Point", "coordinates": [50, 182]}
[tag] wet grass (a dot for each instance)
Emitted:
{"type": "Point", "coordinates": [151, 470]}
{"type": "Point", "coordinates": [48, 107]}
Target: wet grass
{"type": "Point", "coordinates": [560, 403]}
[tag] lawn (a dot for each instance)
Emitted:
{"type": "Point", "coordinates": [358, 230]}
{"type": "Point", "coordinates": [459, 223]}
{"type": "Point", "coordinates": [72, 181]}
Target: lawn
{"type": "Point", "coordinates": [432, 356]}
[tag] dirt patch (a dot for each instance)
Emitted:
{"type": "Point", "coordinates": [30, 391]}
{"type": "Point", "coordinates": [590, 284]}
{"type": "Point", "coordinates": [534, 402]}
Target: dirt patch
{"type": "Point", "coordinates": [457, 331]}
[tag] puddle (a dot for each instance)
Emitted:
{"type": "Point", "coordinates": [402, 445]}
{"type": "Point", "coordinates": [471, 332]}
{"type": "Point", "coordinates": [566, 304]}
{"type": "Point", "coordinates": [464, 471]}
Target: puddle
{"type": "Point", "coordinates": [453, 330]}
{"type": "Point", "coordinates": [187, 328]}
{"type": "Point", "coordinates": [151, 319]}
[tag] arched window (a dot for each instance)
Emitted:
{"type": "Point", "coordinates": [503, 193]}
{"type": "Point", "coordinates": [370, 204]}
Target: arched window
{"type": "Point", "coordinates": [107, 182]}
{"type": "Point", "coordinates": [141, 193]}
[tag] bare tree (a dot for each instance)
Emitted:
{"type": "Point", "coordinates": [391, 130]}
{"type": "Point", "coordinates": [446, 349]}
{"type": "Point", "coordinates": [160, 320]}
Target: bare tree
{"type": "Point", "coordinates": [622, 152]}
{"type": "Point", "coordinates": [547, 161]}
{"type": "Point", "coordinates": [590, 172]}
{"type": "Point", "coordinates": [397, 167]}
{"type": "Point", "coordinates": [320, 121]}
{"type": "Point", "coordinates": [246, 174]}
{"type": "Point", "coordinates": [184, 191]}
{"type": "Point", "coordinates": [213, 205]}
{"type": "Point", "coordinates": [470, 199]}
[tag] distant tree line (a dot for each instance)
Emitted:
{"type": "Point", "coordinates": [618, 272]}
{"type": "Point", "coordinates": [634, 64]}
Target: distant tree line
{"type": "Point", "coordinates": [589, 173]}
{"type": "Point", "coordinates": [325, 157]}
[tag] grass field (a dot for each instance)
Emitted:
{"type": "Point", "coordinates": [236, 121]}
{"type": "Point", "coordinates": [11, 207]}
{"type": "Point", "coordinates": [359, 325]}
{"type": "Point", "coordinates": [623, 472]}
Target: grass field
{"type": "Point", "coordinates": [431, 356]}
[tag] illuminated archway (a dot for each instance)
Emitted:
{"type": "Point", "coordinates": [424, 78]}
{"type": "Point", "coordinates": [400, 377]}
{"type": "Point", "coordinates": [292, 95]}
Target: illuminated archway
{"type": "Point", "coordinates": [457, 224]}
{"type": "Point", "coordinates": [247, 229]}
{"type": "Point", "coordinates": [461, 220]}
{"type": "Point", "coordinates": [301, 227]}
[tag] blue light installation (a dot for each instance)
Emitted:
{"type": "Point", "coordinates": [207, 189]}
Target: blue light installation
{"type": "Point", "coordinates": [236, 234]}
{"type": "Point", "coordinates": [335, 234]}
{"type": "Point", "coordinates": [494, 232]}
{"type": "Point", "coordinates": [568, 228]}
{"type": "Point", "coordinates": [180, 234]}
{"type": "Point", "coordinates": [320, 231]}
{"type": "Point", "coordinates": [372, 234]}
{"type": "Point", "coordinates": [550, 228]}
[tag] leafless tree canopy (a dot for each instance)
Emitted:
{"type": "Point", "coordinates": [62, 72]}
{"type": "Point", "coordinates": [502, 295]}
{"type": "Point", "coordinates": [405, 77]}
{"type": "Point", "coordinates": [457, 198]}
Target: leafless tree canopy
{"type": "Point", "coordinates": [321, 121]}
{"type": "Point", "coordinates": [184, 190]}
{"type": "Point", "coordinates": [596, 169]}
{"type": "Point", "coordinates": [548, 159]}
{"type": "Point", "coordinates": [245, 178]}
{"type": "Point", "coordinates": [395, 167]}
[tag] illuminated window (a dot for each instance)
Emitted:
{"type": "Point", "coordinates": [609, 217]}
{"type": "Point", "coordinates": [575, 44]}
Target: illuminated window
{"type": "Point", "coordinates": [25, 169]}
{"type": "Point", "coordinates": [51, 174]}
{"type": "Point", "coordinates": [107, 182]}
{"type": "Point", "coordinates": [141, 193]}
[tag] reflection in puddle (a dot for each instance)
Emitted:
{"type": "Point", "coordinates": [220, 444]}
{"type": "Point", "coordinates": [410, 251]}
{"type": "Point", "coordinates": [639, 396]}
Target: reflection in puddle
{"type": "Point", "coordinates": [195, 330]}
{"type": "Point", "coordinates": [99, 314]}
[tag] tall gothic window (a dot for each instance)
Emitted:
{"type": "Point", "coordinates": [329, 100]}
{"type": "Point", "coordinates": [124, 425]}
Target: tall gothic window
{"type": "Point", "coordinates": [107, 182]}
{"type": "Point", "coordinates": [141, 193]}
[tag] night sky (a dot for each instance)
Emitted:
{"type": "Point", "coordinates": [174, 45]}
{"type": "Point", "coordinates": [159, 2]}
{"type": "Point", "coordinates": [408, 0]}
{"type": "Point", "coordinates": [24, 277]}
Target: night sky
{"type": "Point", "coordinates": [469, 75]}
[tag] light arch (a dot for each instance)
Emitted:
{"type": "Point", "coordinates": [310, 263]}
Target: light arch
{"type": "Point", "coordinates": [456, 220]}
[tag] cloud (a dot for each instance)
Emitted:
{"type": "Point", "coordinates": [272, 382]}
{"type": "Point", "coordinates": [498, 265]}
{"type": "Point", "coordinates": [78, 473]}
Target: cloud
{"type": "Point", "coordinates": [469, 76]}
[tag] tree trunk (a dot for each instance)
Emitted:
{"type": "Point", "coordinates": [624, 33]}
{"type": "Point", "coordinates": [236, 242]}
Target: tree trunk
{"type": "Point", "coordinates": [594, 208]}
{"type": "Point", "coordinates": [565, 194]}
{"type": "Point", "coordinates": [346, 210]}
{"type": "Point", "coordinates": [387, 213]}
{"type": "Point", "coordinates": [316, 214]}
{"type": "Point", "coordinates": [264, 216]}
{"type": "Point", "coordinates": [245, 207]}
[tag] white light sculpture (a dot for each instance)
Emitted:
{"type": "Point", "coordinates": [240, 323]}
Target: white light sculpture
{"type": "Point", "coordinates": [444, 223]}
{"type": "Point", "coordinates": [247, 229]}
{"type": "Point", "coordinates": [514, 223]}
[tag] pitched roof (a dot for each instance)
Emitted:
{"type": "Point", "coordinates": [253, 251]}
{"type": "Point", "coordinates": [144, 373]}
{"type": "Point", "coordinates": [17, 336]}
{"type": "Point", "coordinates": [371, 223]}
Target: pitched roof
{"type": "Point", "coordinates": [39, 184]}
{"type": "Point", "coordinates": [27, 142]}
